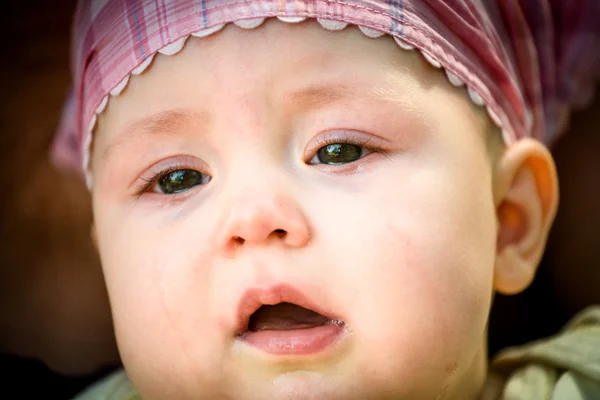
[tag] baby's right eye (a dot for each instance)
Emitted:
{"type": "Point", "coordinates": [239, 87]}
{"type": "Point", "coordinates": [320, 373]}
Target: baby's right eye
{"type": "Point", "coordinates": [178, 181]}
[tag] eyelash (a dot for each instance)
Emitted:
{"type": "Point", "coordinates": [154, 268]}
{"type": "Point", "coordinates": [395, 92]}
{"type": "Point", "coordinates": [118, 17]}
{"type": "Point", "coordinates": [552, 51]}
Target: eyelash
{"type": "Point", "coordinates": [355, 140]}
{"type": "Point", "coordinates": [147, 183]}
{"type": "Point", "coordinates": [365, 143]}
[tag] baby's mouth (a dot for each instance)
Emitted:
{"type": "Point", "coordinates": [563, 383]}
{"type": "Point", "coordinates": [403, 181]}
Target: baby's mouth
{"type": "Point", "coordinates": [284, 317]}
{"type": "Point", "coordinates": [287, 329]}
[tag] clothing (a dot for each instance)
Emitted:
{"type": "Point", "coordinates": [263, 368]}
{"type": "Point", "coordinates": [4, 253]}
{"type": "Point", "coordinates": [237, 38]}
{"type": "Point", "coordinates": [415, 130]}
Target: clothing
{"type": "Point", "coordinates": [527, 61]}
{"type": "Point", "coordinates": [116, 386]}
{"type": "Point", "coordinates": [563, 367]}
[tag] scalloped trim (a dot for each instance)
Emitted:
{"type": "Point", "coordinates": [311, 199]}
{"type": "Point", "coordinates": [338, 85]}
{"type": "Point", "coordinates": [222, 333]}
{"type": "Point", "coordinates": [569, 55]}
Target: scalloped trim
{"type": "Point", "coordinates": [209, 31]}
{"type": "Point", "coordinates": [249, 23]}
{"type": "Point", "coordinates": [253, 23]}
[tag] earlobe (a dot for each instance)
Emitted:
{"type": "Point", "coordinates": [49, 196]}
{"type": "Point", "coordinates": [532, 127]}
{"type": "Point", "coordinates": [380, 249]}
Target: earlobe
{"type": "Point", "coordinates": [526, 198]}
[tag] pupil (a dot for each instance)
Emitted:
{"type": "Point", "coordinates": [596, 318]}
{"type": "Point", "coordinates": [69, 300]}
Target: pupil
{"type": "Point", "coordinates": [179, 181]}
{"type": "Point", "coordinates": [339, 153]}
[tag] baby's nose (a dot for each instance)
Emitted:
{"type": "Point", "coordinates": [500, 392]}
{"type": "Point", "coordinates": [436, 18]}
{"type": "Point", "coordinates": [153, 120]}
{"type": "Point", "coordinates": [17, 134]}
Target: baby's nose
{"type": "Point", "coordinates": [261, 219]}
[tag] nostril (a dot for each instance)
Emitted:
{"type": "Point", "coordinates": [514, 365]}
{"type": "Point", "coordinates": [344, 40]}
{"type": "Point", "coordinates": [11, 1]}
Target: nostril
{"type": "Point", "coordinates": [280, 233]}
{"type": "Point", "coordinates": [238, 240]}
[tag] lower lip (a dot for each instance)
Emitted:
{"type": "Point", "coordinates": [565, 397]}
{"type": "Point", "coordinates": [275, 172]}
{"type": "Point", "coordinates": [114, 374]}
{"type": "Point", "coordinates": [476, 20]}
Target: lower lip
{"type": "Point", "coordinates": [295, 341]}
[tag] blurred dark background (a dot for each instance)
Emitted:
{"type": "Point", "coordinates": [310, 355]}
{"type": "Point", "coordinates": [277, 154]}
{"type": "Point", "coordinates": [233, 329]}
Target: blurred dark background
{"type": "Point", "coordinates": [55, 329]}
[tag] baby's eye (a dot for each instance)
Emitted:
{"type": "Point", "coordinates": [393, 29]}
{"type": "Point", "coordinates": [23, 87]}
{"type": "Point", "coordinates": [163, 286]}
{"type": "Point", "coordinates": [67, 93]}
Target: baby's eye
{"type": "Point", "coordinates": [338, 154]}
{"type": "Point", "coordinates": [179, 181]}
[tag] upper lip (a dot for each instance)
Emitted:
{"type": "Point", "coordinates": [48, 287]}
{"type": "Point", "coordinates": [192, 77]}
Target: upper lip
{"type": "Point", "coordinates": [254, 298]}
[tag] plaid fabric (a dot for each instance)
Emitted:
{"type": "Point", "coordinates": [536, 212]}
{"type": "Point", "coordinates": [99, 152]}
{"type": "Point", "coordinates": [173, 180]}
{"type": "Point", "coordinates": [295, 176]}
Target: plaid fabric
{"type": "Point", "coordinates": [528, 61]}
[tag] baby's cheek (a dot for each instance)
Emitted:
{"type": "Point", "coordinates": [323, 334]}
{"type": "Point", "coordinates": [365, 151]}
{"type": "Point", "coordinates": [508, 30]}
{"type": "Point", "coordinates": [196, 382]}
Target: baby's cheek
{"type": "Point", "coordinates": [158, 294]}
{"type": "Point", "coordinates": [422, 311]}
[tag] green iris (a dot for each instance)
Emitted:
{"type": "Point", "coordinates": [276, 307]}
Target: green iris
{"type": "Point", "coordinates": [339, 153]}
{"type": "Point", "coordinates": [179, 181]}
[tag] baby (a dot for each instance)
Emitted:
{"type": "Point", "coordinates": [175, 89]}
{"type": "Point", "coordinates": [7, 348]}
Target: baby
{"type": "Point", "coordinates": [320, 205]}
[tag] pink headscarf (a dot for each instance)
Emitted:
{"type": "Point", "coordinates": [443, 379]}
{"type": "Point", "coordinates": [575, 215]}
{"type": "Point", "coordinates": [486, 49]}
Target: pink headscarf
{"type": "Point", "coordinates": [527, 61]}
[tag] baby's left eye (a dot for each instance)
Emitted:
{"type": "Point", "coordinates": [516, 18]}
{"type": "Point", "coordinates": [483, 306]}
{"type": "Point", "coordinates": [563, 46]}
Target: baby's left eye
{"type": "Point", "coordinates": [179, 181]}
{"type": "Point", "coordinates": [338, 154]}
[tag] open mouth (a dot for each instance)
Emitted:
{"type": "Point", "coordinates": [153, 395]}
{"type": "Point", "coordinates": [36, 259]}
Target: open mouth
{"type": "Point", "coordinates": [289, 329]}
{"type": "Point", "coordinates": [284, 317]}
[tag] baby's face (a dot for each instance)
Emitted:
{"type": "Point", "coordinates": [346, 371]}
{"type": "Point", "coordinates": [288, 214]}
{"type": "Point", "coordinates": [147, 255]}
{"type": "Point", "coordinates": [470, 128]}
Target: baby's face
{"type": "Point", "coordinates": [294, 165]}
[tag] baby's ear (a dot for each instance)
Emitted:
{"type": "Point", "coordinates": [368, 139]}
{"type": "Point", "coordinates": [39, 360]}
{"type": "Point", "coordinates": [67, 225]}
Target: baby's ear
{"type": "Point", "coordinates": [526, 198]}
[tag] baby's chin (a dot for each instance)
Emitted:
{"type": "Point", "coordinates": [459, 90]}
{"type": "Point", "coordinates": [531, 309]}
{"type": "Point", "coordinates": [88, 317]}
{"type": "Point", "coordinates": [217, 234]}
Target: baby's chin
{"type": "Point", "coordinates": [301, 385]}
{"type": "Point", "coordinates": [343, 379]}
{"type": "Point", "coordinates": [360, 377]}
{"type": "Point", "coordinates": [309, 385]}
{"type": "Point", "coordinates": [354, 378]}
{"type": "Point", "coordinates": [330, 374]}
{"type": "Point", "coordinates": [292, 385]}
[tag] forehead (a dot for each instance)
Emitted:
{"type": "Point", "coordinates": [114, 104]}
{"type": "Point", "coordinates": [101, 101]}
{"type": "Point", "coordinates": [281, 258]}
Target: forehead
{"type": "Point", "coordinates": [282, 57]}
{"type": "Point", "coordinates": [292, 68]}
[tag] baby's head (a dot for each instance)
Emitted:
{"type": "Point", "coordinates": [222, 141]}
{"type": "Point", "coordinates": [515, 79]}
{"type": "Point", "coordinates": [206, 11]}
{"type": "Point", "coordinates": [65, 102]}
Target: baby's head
{"type": "Point", "coordinates": [289, 212]}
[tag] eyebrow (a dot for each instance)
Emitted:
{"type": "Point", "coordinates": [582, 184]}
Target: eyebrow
{"type": "Point", "coordinates": [314, 97]}
{"type": "Point", "coordinates": [164, 122]}
{"type": "Point", "coordinates": [306, 99]}
{"type": "Point", "coordinates": [319, 95]}
{"type": "Point", "coordinates": [175, 120]}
